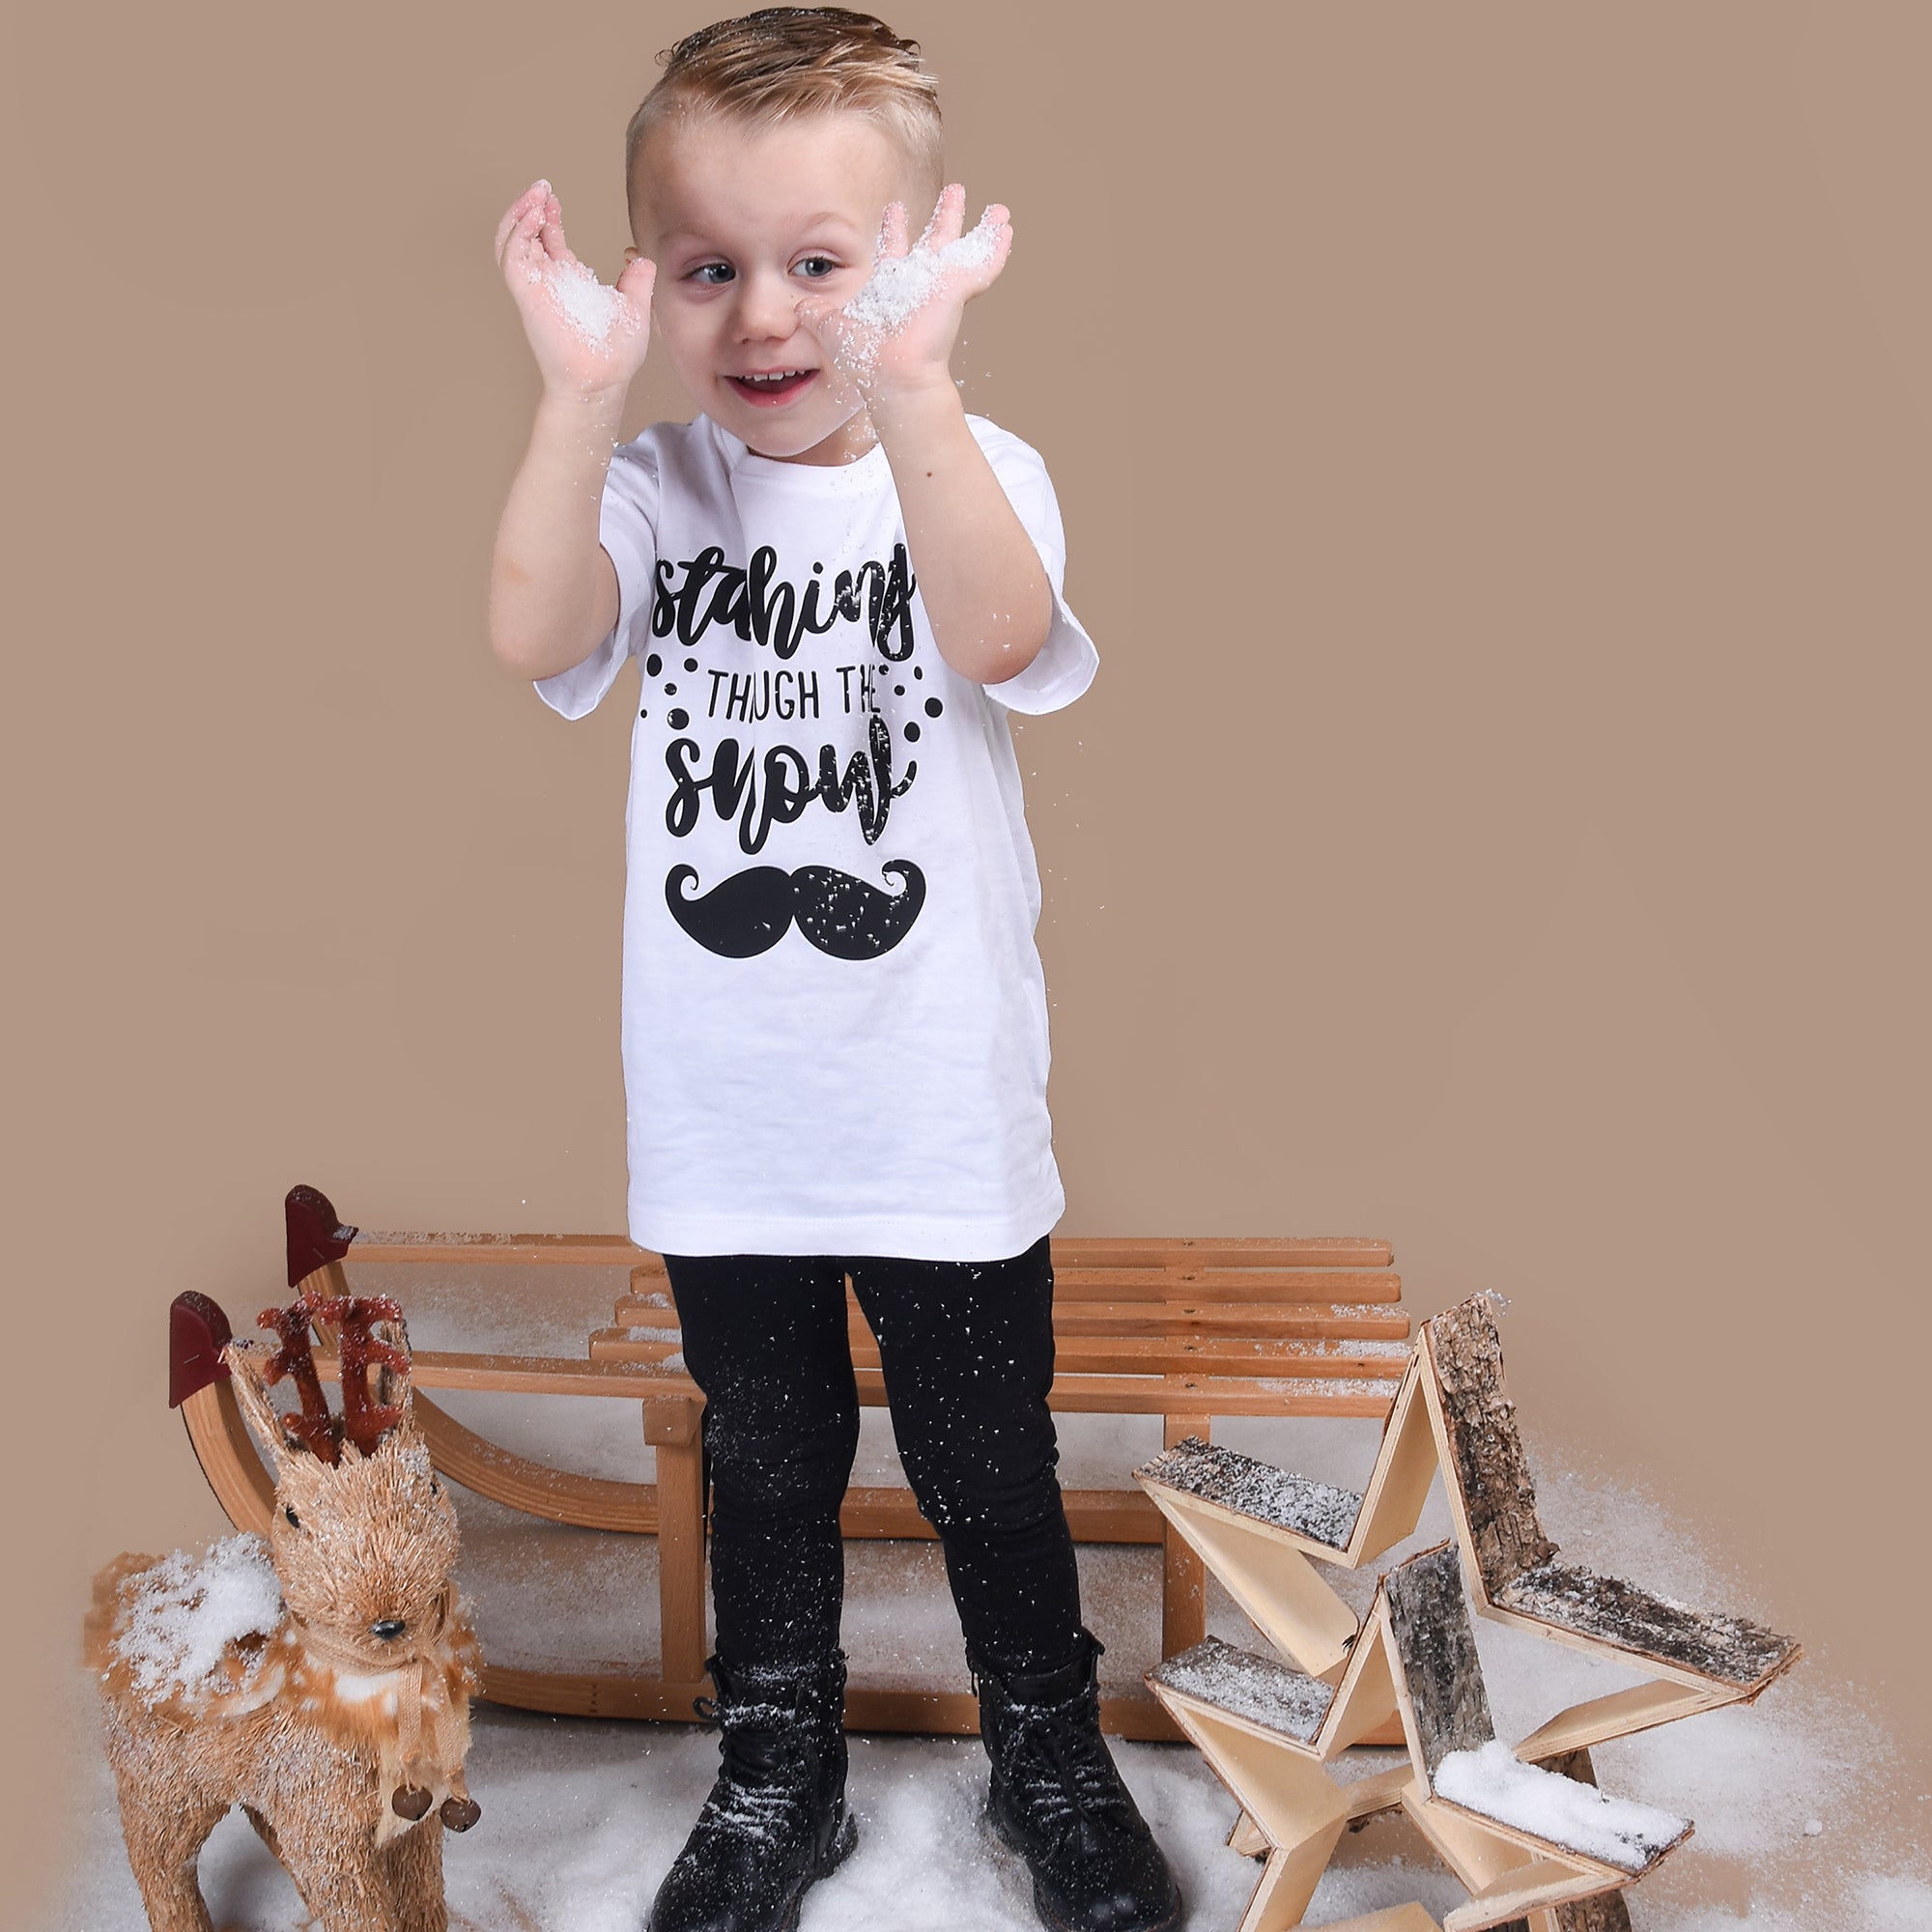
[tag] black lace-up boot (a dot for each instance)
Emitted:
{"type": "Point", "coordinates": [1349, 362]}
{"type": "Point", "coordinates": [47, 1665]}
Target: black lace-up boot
{"type": "Point", "coordinates": [776, 1819]}
{"type": "Point", "coordinates": [1057, 1800]}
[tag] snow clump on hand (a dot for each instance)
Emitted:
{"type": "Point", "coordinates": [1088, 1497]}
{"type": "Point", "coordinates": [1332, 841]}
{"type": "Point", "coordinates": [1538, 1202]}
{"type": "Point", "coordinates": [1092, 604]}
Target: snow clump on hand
{"type": "Point", "coordinates": [902, 285]}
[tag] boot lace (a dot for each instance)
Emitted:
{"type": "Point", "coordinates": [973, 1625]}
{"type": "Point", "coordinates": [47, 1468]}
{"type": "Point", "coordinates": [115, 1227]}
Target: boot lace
{"type": "Point", "coordinates": [1070, 1782]}
{"type": "Point", "coordinates": [761, 1790]}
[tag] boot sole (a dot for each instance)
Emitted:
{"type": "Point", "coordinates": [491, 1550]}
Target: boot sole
{"type": "Point", "coordinates": [844, 1842]}
{"type": "Point", "coordinates": [1047, 1917]}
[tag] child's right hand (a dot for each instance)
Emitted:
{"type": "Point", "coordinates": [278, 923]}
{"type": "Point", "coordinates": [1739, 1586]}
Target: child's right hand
{"type": "Point", "coordinates": [588, 338]}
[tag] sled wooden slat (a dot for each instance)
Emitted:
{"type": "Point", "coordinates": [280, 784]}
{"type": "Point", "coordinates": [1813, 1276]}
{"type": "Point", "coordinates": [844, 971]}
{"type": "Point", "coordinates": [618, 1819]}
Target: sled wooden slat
{"type": "Point", "coordinates": [1326, 1251]}
{"type": "Point", "coordinates": [1094, 1516]}
{"type": "Point", "coordinates": [1201, 1391]}
{"type": "Point", "coordinates": [498, 1250]}
{"type": "Point", "coordinates": [620, 1694]}
{"type": "Point", "coordinates": [1072, 1394]}
{"type": "Point", "coordinates": [1203, 1316]}
{"type": "Point", "coordinates": [1071, 1253]}
{"type": "Point", "coordinates": [1184, 1330]}
{"type": "Point", "coordinates": [1129, 1354]}
{"type": "Point", "coordinates": [1309, 1320]}
{"type": "Point", "coordinates": [1204, 1394]}
{"type": "Point", "coordinates": [534, 1374]}
{"type": "Point", "coordinates": [1230, 1285]}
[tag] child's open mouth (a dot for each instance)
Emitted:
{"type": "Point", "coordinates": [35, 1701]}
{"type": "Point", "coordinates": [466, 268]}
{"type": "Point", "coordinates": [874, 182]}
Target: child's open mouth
{"type": "Point", "coordinates": [779, 386]}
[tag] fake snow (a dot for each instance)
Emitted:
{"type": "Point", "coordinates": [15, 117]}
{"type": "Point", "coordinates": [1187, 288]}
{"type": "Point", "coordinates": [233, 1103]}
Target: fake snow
{"type": "Point", "coordinates": [431, 1238]}
{"type": "Point", "coordinates": [1256, 1688]}
{"type": "Point", "coordinates": [1496, 1782]}
{"type": "Point", "coordinates": [902, 285]}
{"type": "Point", "coordinates": [588, 305]}
{"type": "Point", "coordinates": [1318, 1511]}
{"type": "Point", "coordinates": [183, 1613]}
{"type": "Point", "coordinates": [582, 1816]}
{"type": "Point", "coordinates": [1725, 1647]}
{"type": "Point", "coordinates": [1378, 1387]}
{"type": "Point", "coordinates": [1363, 1351]}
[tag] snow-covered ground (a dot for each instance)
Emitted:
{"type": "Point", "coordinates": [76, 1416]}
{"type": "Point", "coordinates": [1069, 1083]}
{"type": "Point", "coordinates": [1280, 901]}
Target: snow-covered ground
{"type": "Point", "coordinates": [581, 1818]}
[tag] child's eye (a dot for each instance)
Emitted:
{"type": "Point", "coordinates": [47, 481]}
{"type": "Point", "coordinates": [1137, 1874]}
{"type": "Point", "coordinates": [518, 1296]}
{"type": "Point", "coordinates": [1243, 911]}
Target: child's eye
{"type": "Point", "coordinates": [815, 267]}
{"type": "Point", "coordinates": [713, 274]}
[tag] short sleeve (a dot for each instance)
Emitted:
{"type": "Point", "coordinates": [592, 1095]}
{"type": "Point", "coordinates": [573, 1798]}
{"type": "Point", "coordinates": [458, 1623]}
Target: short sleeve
{"type": "Point", "coordinates": [1067, 661]}
{"type": "Point", "coordinates": [627, 529]}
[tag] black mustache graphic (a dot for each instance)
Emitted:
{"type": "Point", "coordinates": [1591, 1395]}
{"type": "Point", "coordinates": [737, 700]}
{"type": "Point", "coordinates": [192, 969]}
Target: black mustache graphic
{"type": "Point", "coordinates": [844, 917]}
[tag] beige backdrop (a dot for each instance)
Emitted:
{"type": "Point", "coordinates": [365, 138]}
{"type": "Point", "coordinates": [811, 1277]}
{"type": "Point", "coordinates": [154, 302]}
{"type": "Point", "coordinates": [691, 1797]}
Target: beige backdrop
{"type": "Point", "coordinates": [1494, 442]}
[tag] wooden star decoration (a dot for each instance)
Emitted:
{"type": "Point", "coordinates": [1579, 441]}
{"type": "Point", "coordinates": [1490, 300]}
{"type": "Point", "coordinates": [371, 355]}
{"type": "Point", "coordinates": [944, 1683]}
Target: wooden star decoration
{"type": "Point", "coordinates": [1524, 1831]}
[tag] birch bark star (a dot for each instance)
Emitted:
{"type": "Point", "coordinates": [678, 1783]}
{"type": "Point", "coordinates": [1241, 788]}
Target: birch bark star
{"type": "Point", "coordinates": [588, 337]}
{"type": "Point", "coordinates": [898, 333]}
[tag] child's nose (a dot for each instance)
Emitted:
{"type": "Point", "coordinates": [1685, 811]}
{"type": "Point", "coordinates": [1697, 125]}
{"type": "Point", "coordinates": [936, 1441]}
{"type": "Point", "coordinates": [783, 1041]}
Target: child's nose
{"type": "Point", "coordinates": [767, 308]}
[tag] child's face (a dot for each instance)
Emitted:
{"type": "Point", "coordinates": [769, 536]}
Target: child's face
{"type": "Point", "coordinates": [744, 223]}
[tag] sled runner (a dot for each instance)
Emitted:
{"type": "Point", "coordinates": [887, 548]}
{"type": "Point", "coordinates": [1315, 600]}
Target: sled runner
{"type": "Point", "coordinates": [1187, 1330]}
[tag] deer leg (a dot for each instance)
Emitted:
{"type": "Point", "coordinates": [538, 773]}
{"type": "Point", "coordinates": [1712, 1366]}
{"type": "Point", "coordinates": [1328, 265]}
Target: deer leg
{"type": "Point", "coordinates": [266, 1831]}
{"type": "Point", "coordinates": [339, 1873]}
{"type": "Point", "coordinates": [414, 1863]}
{"type": "Point", "coordinates": [164, 1841]}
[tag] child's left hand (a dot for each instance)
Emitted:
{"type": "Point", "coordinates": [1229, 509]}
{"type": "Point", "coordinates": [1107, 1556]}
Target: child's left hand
{"type": "Point", "coordinates": [894, 337]}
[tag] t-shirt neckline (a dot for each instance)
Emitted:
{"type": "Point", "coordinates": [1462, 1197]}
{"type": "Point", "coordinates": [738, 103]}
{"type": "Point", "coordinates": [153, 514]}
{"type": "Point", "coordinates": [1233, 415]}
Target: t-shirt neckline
{"type": "Point", "coordinates": [742, 460]}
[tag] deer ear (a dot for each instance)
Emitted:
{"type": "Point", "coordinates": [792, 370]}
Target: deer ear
{"type": "Point", "coordinates": [245, 1362]}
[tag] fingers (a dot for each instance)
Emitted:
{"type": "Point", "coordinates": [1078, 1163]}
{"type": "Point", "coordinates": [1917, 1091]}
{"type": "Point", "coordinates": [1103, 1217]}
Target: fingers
{"type": "Point", "coordinates": [636, 284]}
{"type": "Point", "coordinates": [949, 217]}
{"type": "Point", "coordinates": [852, 345]}
{"type": "Point", "coordinates": [551, 233]}
{"type": "Point", "coordinates": [971, 260]}
{"type": "Point", "coordinates": [892, 230]}
{"type": "Point", "coordinates": [522, 213]}
{"type": "Point", "coordinates": [639, 278]}
{"type": "Point", "coordinates": [532, 230]}
{"type": "Point", "coordinates": [530, 202]}
{"type": "Point", "coordinates": [985, 249]}
{"type": "Point", "coordinates": [825, 321]}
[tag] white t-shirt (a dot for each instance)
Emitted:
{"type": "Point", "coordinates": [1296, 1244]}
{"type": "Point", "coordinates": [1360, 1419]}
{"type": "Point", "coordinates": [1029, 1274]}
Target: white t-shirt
{"type": "Point", "coordinates": [834, 1015]}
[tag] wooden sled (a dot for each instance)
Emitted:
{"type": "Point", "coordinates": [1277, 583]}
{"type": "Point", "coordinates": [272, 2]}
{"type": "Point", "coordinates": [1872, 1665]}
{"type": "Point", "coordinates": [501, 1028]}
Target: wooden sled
{"type": "Point", "coordinates": [1187, 1330]}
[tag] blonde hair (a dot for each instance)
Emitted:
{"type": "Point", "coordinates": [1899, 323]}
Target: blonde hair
{"type": "Point", "coordinates": [787, 62]}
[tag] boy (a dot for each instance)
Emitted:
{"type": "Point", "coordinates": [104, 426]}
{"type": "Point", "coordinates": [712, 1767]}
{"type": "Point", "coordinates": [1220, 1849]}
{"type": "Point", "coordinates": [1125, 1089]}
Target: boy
{"type": "Point", "coordinates": [834, 1022]}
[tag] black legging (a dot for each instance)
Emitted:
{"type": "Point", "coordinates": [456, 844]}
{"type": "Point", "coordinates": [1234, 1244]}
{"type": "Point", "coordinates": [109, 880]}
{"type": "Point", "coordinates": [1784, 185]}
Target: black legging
{"type": "Point", "coordinates": [967, 1350]}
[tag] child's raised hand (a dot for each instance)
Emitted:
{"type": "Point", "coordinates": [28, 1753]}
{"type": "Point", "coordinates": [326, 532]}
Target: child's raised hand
{"type": "Point", "coordinates": [588, 338]}
{"type": "Point", "coordinates": [895, 335]}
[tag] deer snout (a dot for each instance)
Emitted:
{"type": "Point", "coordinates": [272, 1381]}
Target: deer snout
{"type": "Point", "coordinates": [388, 1629]}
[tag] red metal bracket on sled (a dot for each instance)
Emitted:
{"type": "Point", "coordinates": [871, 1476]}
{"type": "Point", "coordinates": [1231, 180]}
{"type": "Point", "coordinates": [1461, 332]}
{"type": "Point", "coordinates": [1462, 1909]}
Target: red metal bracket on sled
{"type": "Point", "coordinates": [197, 1333]}
{"type": "Point", "coordinates": [317, 1234]}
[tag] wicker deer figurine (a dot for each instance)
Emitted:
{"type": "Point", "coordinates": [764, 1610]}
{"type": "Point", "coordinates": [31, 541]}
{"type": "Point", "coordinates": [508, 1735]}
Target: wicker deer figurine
{"type": "Point", "coordinates": [320, 1679]}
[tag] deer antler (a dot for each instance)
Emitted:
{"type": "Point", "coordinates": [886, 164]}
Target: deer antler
{"type": "Point", "coordinates": [365, 1419]}
{"type": "Point", "coordinates": [314, 1427]}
